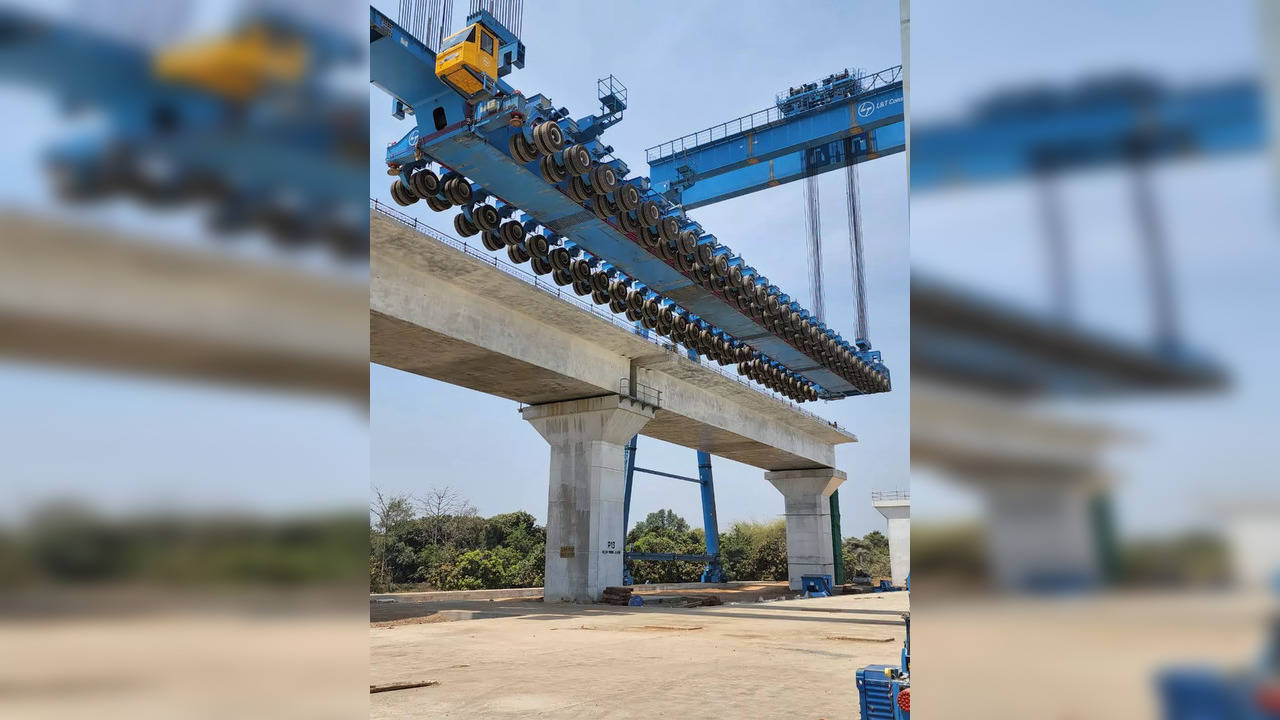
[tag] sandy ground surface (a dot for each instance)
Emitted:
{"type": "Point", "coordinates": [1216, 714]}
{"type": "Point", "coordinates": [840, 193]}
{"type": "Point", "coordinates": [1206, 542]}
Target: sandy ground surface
{"type": "Point", "coordinates": [788, 658]}
{"type": "Point", "coordinates": [1067, 658]}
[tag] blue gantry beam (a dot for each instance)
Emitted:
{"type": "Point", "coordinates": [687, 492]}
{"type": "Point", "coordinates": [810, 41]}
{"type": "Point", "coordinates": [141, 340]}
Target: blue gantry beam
{"type": "Point", "coordinates": [799, 137]}
{"type": "Point", "coordinates": [1101, 122]}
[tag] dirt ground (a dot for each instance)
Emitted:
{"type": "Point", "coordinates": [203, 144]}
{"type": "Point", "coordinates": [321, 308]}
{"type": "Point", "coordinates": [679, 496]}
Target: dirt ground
{"type": "Point", "coordinates": [1092, 656]}
{"type": "Point", "coordinates": [521, 659]}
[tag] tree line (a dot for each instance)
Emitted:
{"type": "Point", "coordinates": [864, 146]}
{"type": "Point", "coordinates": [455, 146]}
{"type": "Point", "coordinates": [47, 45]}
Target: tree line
{"type": "Point", "coordinates": [439, 542]}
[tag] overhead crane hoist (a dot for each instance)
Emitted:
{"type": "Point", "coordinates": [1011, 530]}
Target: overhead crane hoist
{"type": "Point", "coordinates": [544, 187]}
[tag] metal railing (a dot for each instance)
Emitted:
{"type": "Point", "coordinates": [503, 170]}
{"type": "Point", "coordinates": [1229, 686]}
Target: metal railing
{"type": "Point", "coordinates": [572, 298]}
{"type": "Point", "coordinates": [885, 495]}
{"type": "Point", "coordinates": [644, 393]}
{"type": "Point", "coordinates": [754, 121]}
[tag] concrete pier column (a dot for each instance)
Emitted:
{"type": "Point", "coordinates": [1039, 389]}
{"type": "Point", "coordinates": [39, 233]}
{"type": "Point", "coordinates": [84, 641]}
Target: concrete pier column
{"type": "Point", "coordinates": [895, 506]}
{"type": "Point", "coordinates": [584, 498]}
{"type": "Point", "coordinates": [808, 510]}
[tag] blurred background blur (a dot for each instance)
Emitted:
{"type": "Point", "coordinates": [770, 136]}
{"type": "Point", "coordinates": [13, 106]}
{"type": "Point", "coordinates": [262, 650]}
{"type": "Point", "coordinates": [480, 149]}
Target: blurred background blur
{"type": "Point", "coordinates": [1094, 280]}
{"type": "Point", "coordinates": [183, 358]}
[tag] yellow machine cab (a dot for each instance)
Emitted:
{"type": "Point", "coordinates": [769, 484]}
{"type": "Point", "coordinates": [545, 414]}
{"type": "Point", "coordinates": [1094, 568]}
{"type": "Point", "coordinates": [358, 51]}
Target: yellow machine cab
{"type": "Point", "coordinates": [468, 60]}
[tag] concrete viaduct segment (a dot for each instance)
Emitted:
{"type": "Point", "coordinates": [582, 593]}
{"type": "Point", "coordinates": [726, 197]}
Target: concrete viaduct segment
{"type": "Point", "coordinates": [589, 382]}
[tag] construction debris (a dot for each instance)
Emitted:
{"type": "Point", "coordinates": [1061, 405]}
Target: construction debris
{"type": "Point", "coordinates": [616, 595]}
{"type": "Point", "coordinates": [401, 686]}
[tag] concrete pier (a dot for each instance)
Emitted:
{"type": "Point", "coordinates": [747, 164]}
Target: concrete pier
{"type": "Point", "coordinates": [808, 511]}
{"type": "Point", "coordinates": [584, 500]}
{"type": "Point", "coordinates": [895, 506]}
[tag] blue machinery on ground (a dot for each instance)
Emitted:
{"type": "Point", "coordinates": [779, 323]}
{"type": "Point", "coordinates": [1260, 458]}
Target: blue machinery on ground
{"type": "Point", "coordinates": [1201, 693]}
{"type": "Point", "coordinates": [564, 203]}
{"type": "Point", "coordinates": [884, 691]}
{"type": "Point", "coordinates": [246, 121]}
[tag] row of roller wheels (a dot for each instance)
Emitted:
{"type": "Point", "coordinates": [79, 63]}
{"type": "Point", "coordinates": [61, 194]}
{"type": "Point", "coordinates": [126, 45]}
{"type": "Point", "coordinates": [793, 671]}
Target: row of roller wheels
{"type": "Point", "coordinates": [440, 193]}
{"type": "Point", "coordinates": [785, 382]}
{"type": "Point", "coordinates": [599, 189]}
{"type": "Point", "coordinates": [620, 295]}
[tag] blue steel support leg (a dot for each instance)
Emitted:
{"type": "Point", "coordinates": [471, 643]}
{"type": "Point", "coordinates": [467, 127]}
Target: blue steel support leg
{"type": "Point", "coordinates": [714, 573]}
{"type": "Point", "coordinates": [629, 472]}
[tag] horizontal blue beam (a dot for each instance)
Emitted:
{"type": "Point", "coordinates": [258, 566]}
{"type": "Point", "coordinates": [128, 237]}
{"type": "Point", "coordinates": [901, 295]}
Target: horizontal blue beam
{"type": "Point", "coordinates": [665, 474]}
{"type": "Point", "coordinates": [683, 163]}
{"type": "Point", "coordinates": [669, 557]}
{"type": "Point", "coordinates": [1053, 129]}
{"type": "Point", "coordinates": [885, 140]}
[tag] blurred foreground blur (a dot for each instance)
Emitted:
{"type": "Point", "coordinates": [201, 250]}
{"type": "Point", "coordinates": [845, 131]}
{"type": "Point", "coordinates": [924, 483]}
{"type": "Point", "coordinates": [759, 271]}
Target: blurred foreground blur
{"type": "Point", "coordinates": [183, 359]}
{"type": "Point", "coordinates": [1094, 256]}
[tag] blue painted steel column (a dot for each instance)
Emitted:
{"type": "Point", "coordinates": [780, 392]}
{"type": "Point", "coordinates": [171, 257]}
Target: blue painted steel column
{"type": "Point", "coordinates": [714, 573]}
{"type": "Point", "coordinates": [628, 472]}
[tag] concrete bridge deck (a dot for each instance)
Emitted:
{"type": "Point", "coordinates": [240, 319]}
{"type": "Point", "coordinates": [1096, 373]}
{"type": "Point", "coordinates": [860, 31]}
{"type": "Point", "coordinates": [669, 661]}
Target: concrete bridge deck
{"type": "Point", "coordinates": [468, 319]}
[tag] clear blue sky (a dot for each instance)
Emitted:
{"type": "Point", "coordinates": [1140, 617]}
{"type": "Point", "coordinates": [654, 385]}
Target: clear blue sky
{"type": "Point", "coordinates": [687, 66]}
{"type": "Point", "coordinates": [1187, 453]}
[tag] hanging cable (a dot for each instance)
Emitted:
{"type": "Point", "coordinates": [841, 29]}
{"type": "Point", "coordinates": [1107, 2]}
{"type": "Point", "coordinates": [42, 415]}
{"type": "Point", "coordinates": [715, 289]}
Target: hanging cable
{"type": "Point", "coordinates": [813, 224]}
{"type": "Point", "coordinates": [855, 250]}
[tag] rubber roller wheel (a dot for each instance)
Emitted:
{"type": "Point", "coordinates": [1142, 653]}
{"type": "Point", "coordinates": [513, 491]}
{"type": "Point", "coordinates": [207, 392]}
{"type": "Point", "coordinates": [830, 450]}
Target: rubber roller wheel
{"type": "Point", "coordinates": [540, 266]}
{"type": "Point", "coordinates": [603, 179]}
{"type": "Point", "coordinates": [663, 328]}
{"type": "Point", "coordinates": [438, 204]}
{"type": "Point", "coordinates": [601, 207]}
{"type": "Point", "coordinates": [401, 194]}
{"type": "Point", "coordinates": [464, 226]}
{"type": "Point", "coordinates": [649, 323]}
{"type": "Point", "coordinates": [651, 307]}
{"type": "Point", "coordinates": [521, 150]}
{"type": "Point", "coordinates": [537, 245]}
{"type": "Point", "coordinates": [491, 241]}
{"type": "Point", "coordinates": [628, 197]}
{"type": "Point", "coordinates": [706, 255]}
{"type": "Point", "coordinates": [457, 191]}
{"type": "Point", "coordinates": [548, 137]}
{"type": "Point", "coordinates": [581, 287]}
{"type": "Point", "coordinates": [511, 232]}
{"type": "Point", "coordinates": [518, 254]}
{"type": "Point", "coordinates": [667, 250]}
{"type": "Point", "coordinates": [632, 315]}
{"type": "Point", "coordinates": [718, 283]}
{"type": "Point", "coordinates": [560, 259]}
{"type": "Point", "coordinates": [599, 298]}
{"type": "Point", "coordinates": [649, 213]}
{"type": "Point", "coordinates": [551, 172]}
{"type": "Point", "coordinates": [581, 270]}
{"type": "Point", "coordinates": [616, 305]}
{"type": "Point", "coordinates": [579, 190]}
{"type": "Point", "coordinates": [618, 290]}
{"type": "Point", "coordinates": [600, 282]}
{"type": "Point", "coordinates": [628, 224]}
{"type": "Point", "coordinates": [668, 228]}
{"type": "Point", "coordinates": [688, 241]}
{"type": "Point", "coordinates": [485, 217]}
{"type": "Point", "coordinates": [649, 237]}
{"type": "Point", "coordinates": [635, 300]}
{"type": "Point", "coordinates": [720, 264]}
{"type": "Point", "coordinates": [424, 183]}
{"type": "Point", "coordinates": [686, 263]}
{"type": "Point", "coordinates": [577, 159]}
{"type": "Point", "coordinates": [666, 315]}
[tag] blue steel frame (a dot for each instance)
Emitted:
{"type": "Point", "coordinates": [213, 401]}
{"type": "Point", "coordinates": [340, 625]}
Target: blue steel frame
{"type": "Point", "coordinates": [776, 145]}
{"type": "Point", "coordinates": [714, 571]}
